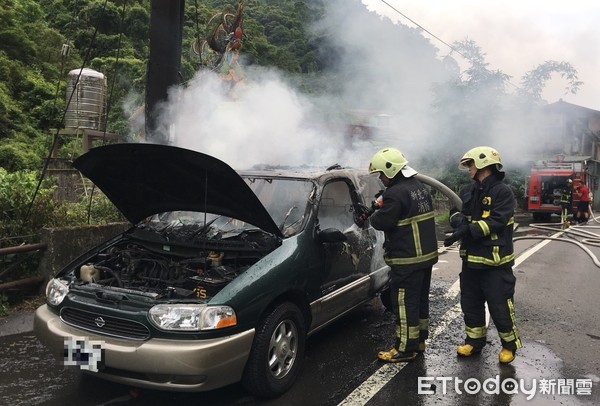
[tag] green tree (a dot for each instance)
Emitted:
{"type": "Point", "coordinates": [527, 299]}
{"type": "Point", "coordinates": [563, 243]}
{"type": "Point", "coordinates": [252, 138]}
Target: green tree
{"type": "Point", "coordinates": [468, 104]}
{"type": "Point", "coordinates": [534, 81]}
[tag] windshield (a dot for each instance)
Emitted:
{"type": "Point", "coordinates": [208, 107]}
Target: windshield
{"type": "Point", "coordinates": [285, 200]}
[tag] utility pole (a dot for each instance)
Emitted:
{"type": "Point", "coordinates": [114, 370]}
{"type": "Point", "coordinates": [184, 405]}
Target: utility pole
{"type": "Point", "coordinates": [166, 32]}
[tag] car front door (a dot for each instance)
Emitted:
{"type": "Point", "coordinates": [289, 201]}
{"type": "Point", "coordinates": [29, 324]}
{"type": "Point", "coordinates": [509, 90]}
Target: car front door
{"type": "Point", "coordinates": [348, 263]}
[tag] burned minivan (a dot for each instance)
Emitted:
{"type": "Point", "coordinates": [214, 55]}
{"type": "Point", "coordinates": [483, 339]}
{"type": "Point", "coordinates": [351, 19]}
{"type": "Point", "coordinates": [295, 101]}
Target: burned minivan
{"type": "Point", "coordinates": [222, 276]}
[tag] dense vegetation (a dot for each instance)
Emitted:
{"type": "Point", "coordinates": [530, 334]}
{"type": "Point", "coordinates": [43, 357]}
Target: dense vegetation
{"type": "Point", "coordinates": [112, 37]}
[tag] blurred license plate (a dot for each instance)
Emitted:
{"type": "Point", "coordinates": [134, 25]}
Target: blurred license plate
{"type": "Point", "coordinates": [84, 353]}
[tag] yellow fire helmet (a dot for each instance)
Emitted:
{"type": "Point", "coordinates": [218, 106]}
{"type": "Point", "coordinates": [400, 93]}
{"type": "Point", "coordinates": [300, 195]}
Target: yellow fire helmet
{"type": "Point", "coordinates": [390, 161]}
{"type": "Point", "coordinates": [482, 157]}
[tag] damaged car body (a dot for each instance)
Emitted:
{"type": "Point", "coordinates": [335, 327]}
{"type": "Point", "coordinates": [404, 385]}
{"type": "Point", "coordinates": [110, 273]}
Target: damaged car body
{"type": "Point", "coordinates": [222, 277]}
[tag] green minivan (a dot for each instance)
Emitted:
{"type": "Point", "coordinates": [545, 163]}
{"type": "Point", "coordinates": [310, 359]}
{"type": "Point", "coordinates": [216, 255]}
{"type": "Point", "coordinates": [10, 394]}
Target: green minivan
{"type": "Point", "coordinates": [222, 276]}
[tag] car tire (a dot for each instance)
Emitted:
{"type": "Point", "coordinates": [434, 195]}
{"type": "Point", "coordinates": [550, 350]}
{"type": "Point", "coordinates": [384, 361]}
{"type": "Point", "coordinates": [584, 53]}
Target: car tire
{"type": "Point", "coordinates": [277, 353]}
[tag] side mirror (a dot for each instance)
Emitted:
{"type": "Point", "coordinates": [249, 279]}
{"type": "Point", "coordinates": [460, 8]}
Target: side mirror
{"type": "Point", "coordinates": [331, 235]}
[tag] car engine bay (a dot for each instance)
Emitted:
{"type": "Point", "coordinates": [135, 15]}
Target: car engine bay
{"type": "Point", "coordinates": [171, 265]}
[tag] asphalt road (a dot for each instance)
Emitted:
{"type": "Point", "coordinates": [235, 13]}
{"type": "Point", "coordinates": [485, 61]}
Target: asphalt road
{"type": "Point", "coordinates": [556, 304]}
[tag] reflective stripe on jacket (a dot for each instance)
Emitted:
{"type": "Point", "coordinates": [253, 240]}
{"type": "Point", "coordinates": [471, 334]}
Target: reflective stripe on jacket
{"type": "Point", "coordinates": [565, 196]}
{"type": "Point", "coordinates": [407, 218]}
{"type": "Point", "coordinates": [489, 206]}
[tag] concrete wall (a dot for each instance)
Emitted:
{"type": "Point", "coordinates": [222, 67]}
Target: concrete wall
{"type": "Point", "coordinates": [66, 244]}
{"type": "Point", "coordinates": [70, 184]}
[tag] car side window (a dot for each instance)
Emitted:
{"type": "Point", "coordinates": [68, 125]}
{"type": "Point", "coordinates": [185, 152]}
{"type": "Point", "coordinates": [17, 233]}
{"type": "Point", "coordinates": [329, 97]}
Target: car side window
{"type": "Point", "coordinates": [335, 208]}
{"type": "Point", "coordinates": [370, 185]}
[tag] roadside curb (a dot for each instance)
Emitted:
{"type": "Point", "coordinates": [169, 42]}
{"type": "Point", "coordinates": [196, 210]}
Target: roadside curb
{"type": "Point", "coordinates": [16, 323]}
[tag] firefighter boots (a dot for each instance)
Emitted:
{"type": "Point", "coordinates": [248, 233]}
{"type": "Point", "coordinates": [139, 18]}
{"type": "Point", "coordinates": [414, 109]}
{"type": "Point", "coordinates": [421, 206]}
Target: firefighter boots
{"type": "Point", "coordinates": [394, 355]}
{"type": "Point", "coordinates": [506, 356]}
{"type": "Point", "coordinates": [467, 350]}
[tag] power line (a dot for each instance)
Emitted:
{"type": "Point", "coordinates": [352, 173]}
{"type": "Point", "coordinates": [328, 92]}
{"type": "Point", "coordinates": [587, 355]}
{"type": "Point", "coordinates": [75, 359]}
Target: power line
{"type": "Point", "coordinates": [424, 29]}
{"type": "Point", "coordinates": [435, 36]}
{"type": "Point", "coordinates": [56, 134]}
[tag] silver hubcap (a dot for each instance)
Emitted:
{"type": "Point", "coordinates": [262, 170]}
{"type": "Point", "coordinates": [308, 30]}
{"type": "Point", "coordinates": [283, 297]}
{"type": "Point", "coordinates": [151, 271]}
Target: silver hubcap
{"type": "Point", "coordinates": [283, 348]}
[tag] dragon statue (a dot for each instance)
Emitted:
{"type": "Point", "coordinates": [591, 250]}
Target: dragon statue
{"type": "Point", "coordinates": [220, 48]}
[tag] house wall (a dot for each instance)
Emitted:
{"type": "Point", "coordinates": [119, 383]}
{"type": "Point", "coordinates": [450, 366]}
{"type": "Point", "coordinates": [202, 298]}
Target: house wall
{"type": "Point", "coordinates": [576, 130]}
{"type": "Point", "coordinates": [594, 183]}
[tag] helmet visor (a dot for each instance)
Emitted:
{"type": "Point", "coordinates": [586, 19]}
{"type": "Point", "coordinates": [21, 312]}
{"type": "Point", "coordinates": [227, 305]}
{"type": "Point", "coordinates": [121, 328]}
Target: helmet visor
{"type": "Point", "coordinates": [465, 163]}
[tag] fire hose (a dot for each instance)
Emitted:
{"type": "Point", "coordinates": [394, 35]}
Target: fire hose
{"type": "Point", "coordinates": [593, 240]}
{"type": "Point", "coordinates": [589, 237]}
{"type": "Point", "coordinates": [428, 180]}
{"type": "Point", "coordinates": [454, 198]}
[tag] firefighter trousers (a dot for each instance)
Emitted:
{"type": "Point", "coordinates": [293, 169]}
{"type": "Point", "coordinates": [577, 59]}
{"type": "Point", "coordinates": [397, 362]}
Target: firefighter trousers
{"type": "Point", "coordinates": [497, 288]}
{"type": "Point", "coordinates": [410, 303]}
{"type": "Point", "coordinates": [564, 213]}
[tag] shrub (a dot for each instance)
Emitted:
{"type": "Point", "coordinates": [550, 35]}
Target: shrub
{"type": "Point", "coordinates": [21, 218]}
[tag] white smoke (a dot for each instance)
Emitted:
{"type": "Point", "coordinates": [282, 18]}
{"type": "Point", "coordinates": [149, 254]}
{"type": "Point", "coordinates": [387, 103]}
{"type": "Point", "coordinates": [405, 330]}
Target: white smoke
{"type": "Point", "coordinates": [383, 81]}
{"type": "Point", "coordinates": [260, 121]}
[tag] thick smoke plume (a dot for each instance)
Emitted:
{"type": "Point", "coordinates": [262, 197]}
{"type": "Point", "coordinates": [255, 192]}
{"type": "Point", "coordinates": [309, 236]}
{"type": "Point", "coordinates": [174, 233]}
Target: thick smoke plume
{"type": "Point", "coordinates": [380, 93]}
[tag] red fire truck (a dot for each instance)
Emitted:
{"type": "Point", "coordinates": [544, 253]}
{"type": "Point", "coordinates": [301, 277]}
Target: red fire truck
{"type": "Point", "coordinates": [546, 183]}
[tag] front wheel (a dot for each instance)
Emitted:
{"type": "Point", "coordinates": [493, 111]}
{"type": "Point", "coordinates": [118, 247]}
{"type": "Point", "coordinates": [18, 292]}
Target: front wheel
{"type": "Point", "coordinates": [277, 353]}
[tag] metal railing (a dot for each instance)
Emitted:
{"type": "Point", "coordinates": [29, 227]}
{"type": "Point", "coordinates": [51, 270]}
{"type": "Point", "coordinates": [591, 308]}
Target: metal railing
{"type": "Point", "coordinates": [24, 248]}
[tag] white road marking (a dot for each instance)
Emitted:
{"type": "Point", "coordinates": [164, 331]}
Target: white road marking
{"type": "Point", "coordinates": [373, 384]}
{"type": "Point", "coordinates": [535, 249]}
{"type": "Point", "coordinates": [453, 291]}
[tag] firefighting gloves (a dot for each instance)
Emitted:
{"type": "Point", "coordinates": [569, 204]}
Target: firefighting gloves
{"type": "Point", "coordinates": [375, 204]}
{"type": "Point", "coordinates": [457, 219]}
{"type": "Point", "coordinates": [460, 225]}
{"type": "Point", "coordinates": [459, 233]}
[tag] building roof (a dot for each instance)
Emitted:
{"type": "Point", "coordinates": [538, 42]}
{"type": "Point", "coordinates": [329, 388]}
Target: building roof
{"type": "Point", "coordinates": [569, 108]}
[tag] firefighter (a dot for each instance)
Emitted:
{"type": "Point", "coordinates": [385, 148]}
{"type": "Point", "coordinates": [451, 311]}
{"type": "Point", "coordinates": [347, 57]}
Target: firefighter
{"type": "Point", "coordinates": [406, 216]}
{"type": "Point", "coordinates": [565, 201]}
{"type": "Point", "coordinates": [485, 228]}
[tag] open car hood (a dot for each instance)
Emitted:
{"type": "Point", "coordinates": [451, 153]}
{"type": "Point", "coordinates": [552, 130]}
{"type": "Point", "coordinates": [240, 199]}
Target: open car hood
{"type": "Point", "coordinates": [146, 179]}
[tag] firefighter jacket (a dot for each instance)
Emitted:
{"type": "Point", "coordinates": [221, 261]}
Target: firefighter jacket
{"type": "Point", "coordinates": [489, 207]}
{"type": "Point", "coordinates": [565, 196]}
{"type": "Point", "coordinates": [407, 218]}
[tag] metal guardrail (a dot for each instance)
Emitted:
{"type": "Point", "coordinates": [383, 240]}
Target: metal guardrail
{"type": "Point", "coordinates": [16, 250]}
{"type": "Point", "coordinates": [21, 282]}
{"type": "Point", "coordinates": [23, 248]}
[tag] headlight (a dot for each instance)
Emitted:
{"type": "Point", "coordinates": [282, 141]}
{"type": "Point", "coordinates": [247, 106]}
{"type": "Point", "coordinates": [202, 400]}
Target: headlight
{"type": "Point", "coordinates": [56, 291]}
{"type": "Point", "coordinates": [192, 317]}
